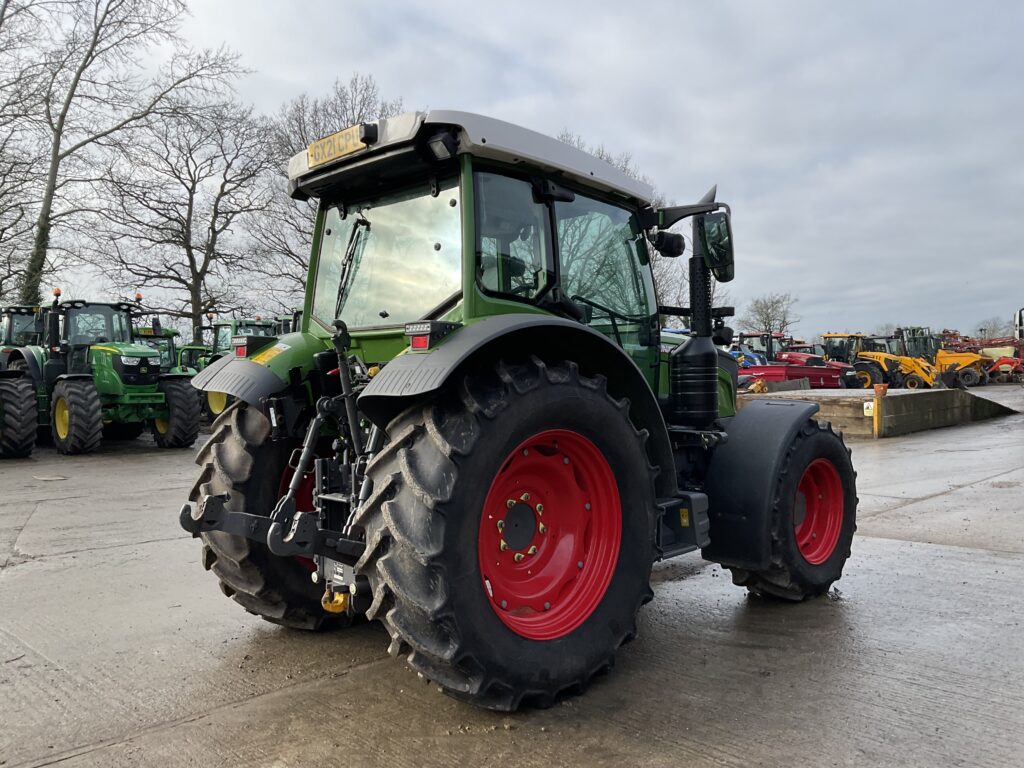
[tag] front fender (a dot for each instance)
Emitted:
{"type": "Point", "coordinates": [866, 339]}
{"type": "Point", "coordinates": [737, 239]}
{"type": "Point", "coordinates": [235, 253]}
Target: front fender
{"type": "Point", "coordinates": [742, 477]}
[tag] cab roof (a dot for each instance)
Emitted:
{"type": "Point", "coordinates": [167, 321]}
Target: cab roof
{"type": "Point", "coordinates": [309, 172]}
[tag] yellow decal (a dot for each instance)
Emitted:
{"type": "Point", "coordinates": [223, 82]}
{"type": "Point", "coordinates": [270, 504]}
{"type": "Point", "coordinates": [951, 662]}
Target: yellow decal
{"type": "Point", "coordinates": [268, 354]}
{"type": "Point", "coordinates": [334, 146]}
{"type": "Point", "coordinates": [684, 517]}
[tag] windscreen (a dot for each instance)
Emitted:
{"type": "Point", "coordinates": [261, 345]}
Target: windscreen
{"type": "Point", "coordinates": [95, 323]}
{"type": "Point", "coordinates": [391, 259]}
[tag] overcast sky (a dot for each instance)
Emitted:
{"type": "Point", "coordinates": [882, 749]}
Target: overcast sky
{"type": "Point", "coordinates": [872, 152]}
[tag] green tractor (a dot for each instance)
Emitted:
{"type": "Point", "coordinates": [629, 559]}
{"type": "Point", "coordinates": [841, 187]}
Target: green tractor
{"type": "Point", "coordinates": [164, 341]}
{"type": "Point", "coordinates": [288, 323]}
{"type": "Point", "coordinates": [19, 325]}
{"type": "Point", "coordinates": [92, 379]}
{"type": "Point", "coordinates": [224, 334]}
{"type": "Point", "coordinates": [476, 436]}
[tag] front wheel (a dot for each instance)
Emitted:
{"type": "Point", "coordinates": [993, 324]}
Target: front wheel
{"type": "Point", "coordinates": [510, 534]}
{"type": "Point", "coordinates": [969, 377]}
{"type": "Point", "coordinates": [181, 427]}
{"type": "Point", "coordinates": [76, 416]}
{"type": "Point", "coordinates": [813, 519]}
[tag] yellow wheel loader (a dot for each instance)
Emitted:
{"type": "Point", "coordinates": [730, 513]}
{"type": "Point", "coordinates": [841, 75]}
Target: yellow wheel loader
{"type": "Point", "coordinates": [969, 367]}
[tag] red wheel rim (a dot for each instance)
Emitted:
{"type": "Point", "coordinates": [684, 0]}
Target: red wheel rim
{"type": "Point", "coordinates": [550, 532]}
{"type": "Point", "coordinates": [818, 513]}
{"type": "Point", "coordinates": [303, 501]}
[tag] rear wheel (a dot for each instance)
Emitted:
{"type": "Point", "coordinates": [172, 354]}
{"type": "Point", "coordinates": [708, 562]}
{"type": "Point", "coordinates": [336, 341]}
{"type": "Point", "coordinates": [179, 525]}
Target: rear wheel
{"type": "Point", "coordinates": [968, 377]}
{"type": "Point", "coordinates": [240, 459]}
{"type": "Point", "coordinates": [17, 417]}
{"type": "Point", "coordinates": [813, 519]}
{"type": "Point", "coordinates": [76, 416]}
{"type": "Point", "coordinates": [181, 427]}
{"type": "Point", "coordinates": [510, 534]}
{"type": "Point", "coordinates": [868, 374]}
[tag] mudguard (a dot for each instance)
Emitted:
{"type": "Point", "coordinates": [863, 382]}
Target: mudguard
{"type": "Point", "coordinates": [742, 477]}
{"type": "Point", "coordinates": [415, 374]}
{"type": "Point", "coordinates": [240, 378]}
{"type": "Point", "coordinates": [31, 358]}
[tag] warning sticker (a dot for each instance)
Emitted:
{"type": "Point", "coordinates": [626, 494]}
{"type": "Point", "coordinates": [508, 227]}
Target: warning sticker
{"type": "Point", "coordinates": [268, 354]}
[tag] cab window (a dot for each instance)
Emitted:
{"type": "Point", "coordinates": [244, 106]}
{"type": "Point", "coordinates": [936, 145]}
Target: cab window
{"type": "Point", "coordinates": [601, 261]}
{"type": "Point", "coordinates": [513, 247]}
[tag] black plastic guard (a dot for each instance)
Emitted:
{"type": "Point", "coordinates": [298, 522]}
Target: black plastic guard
{"type": "Point", "coordinates": [742, 476]}
{"type": "Point", "coordinates": [240, 378]}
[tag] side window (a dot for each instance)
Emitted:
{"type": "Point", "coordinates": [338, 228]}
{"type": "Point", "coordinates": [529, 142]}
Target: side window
{"type": "Point", "coordinates": [601, 266]}
{"type": "Point", "coordinates": [513, 237]}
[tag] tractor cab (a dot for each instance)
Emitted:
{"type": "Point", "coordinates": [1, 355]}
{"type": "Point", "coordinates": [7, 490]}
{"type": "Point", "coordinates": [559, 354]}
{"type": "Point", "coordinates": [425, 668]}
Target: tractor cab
{"type": "Point", "coordinates": [86, 338]}
{"type": "Point", "coordinates": [288, 323]}
{"type": "Point", "coordinates": [226, 330]}
{"type": "Point", "coordinates": [842, 347]}
{"type": "Point", "coordinates": [20, 326]}
{"type": "Point", "coordinates": [164, 341]}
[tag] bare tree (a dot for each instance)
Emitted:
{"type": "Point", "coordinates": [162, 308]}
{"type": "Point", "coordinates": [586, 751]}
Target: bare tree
{"type": "Point", "coordinates": [772, 312]}
{"type": "Point", "coordinates": [95, 91]}
{"type": "Point", "coordinates": [994, 328]}
{"type": "Point", "coordinates": [21, 27]}
{"type": "Point", "coordinates": [284, 230]}
{"type": "Point", "coordinates": [173, 202]}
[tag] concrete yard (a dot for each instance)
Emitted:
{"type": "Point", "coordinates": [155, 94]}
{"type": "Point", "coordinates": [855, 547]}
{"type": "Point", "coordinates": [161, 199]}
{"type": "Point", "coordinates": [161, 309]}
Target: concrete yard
{"type": "Point", "coordinates": [117, 648]}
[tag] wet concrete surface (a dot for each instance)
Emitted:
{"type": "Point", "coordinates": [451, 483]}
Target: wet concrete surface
{"type": "Point", "coordinates": [116, 648]}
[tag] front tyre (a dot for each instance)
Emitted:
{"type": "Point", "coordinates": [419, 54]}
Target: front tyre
{"type": "Point", "coordinates": [76, 416]}
{"type": "Point", "coordinates": [510, 534]}
{"type": "Point", "coordinates": [814, 516]}
{"type": "Point", "coordinates": [181, 427]}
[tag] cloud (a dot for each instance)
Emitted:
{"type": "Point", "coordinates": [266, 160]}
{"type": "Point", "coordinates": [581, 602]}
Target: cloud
{"type": "Point", "coordinates": [872, 152]}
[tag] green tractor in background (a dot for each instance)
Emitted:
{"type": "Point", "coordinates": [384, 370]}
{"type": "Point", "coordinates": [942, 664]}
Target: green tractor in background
{"type": "Point", "coordinates": [223, 333]}
{"type": "Point", "coordinates": [187, 359]}
{"type": "Point", "coordinates": [92, 379]}
{"type": "Point", "coordinates": [288, 323]}
{"type": "Point", "coordinates": [476, 435]}
{"type": "Point", "coordinates": [20, 325]}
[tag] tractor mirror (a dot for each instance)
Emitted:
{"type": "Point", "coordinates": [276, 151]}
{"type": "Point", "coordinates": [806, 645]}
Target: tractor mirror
{"type": "Point", "coordinates": [715, 233]}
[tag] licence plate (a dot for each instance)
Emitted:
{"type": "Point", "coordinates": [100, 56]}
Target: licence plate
{"type": "Point", "coordinates": [334, 146]}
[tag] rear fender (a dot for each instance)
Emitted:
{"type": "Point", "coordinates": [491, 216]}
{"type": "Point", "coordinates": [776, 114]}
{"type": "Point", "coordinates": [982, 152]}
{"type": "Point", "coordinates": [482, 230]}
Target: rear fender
{"type": "Point", "coordinates": [742, 478]}
{"type": "Point", "coordinates": [33, 358]}
{"type": "Point", "coordinates": [415, 376]}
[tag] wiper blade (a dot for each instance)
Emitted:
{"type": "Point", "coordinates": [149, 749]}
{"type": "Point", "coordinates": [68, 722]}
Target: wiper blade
{"type": "Point", "coordinates": [347, 270]}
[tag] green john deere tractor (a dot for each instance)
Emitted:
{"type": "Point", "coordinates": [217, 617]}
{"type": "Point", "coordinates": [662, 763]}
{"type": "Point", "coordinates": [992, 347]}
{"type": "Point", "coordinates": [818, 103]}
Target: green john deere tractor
{"type": "Point", "coordinates": [226, 334]}
{"type": "Point", "coordinates": [92, 379]}
{"type": "Point", "coordinates": [476, 436]}
{"type": "Point", "coordinates": [186, 359]}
